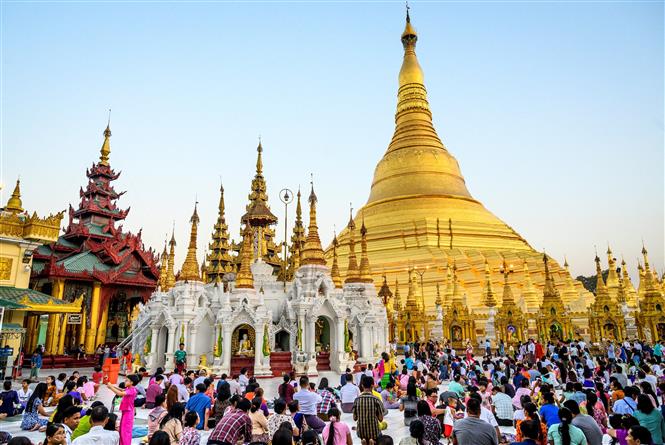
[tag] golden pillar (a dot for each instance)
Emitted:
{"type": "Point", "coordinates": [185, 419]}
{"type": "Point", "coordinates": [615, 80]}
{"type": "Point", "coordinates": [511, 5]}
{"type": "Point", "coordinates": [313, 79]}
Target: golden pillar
{"type": "Point", "coordinates": [62, 334]}
{"type": "Point", "coordinates": [101, 333]}
{"type": "Point", "coordinates": [81, 336]}
{"type": "Point", "coordinates": [31, 328]}
{"type": "Point", "coordinates": [52, 331]}
{"type": "Point", "coordinates": [90, 341]}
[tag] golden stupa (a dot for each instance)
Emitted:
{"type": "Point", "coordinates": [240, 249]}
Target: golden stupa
{"type": "Point", "coordinates": [421, 215]}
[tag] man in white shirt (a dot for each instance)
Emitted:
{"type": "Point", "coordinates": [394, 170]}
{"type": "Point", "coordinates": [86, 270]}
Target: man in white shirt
{"type": "Point", "coordinates": [176, 378]}
{"type": "Point", "coordinates": [234, 386]}
{"type": "Point", "coordinates": [201, 378]}
{"type": "Point", "coordinates": [348, 393]}
{"type": "Point", "coordinates": [308, 401]}
{"type": "Point", "coordinates": [183, 390]}
{"type": "Point", "coordinates": [243, 380]}
{"type": "Point", "coordinates": [70, 420]}
{"type": "Point", "coordinates": [98, 435]}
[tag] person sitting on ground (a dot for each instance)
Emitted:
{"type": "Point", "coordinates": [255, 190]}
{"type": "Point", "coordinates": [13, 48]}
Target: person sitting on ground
{"type": "Point", "coordinates": [157, 414]}
{"type": "Point", "coordinates": [160, 438]}
{"type": "Point", "coordinates": [432, 425]}
{"type": "Point", "coordinates": [348, 394]}
{"type": "Point", "coordinates": [283, 436]}
{"type": "Point", "coordinates": [190, 435]}
{"type": "Point", "coordinates": [70, 420]}
{"type": "Point", "coordinates": [279, 417]}
{"type": "Point", "coordinates": [233, 427]}
{"type": "Point", "coordinates": [172, 423]}
{"type": "Point", "coordinates": [638, 435]}
{"type": "Point", "coordinates": [8, 401]}
{"type": "Point", "coordinates": [502, 406]}
{"type": "Point", "coordinates": [328, 400]}
{"type": "Point", "coordinates": [530, 431]}
{"type": "Point", "coordinates": [85, 424]}
{"type": "Point", "coordinates": [336, 432]}
{"type": "Point", "coordinates": [259, 423]}
{"type": "Point", "coordinates": [200, 403]}
{"type": "Point", "coordinates": [564, 432]}
{"type": "Point", "coordinates": [154, 389]}
{"type": "Point", "coordinates": [588, 425]}
{"type": "Point", "coordinates": [285, 390]}
{"type": "Point", "coordinates": [308, 401]}
{"type": "Point", "coordinates": [473, 430]}
{"type": "Point", "coordinates": [389, 397]}
{"type": "Point", "coordinates": [55, 434]}
{"type": "Point", "coordinates": [368, 412]}
{"type": "Point", "coordinates": [98, 435]}
{"type": "Point", "coordinates": [416, 434]}
{"type": "Point", "coordinates": [34, 408]}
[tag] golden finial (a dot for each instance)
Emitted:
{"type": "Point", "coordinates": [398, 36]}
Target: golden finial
{"type": "Point", "coordinates": [490, 299]}
{"type": "Point", "coordinates": [259, 158]}
{"type": "Point", "coordinates": [106, 146]}
{"type": "Point", "coordinates": [190, 268]}
{"type": "Point", "coordinates": [15, 205]}
{"type": "Point", "coordinates": [352, 272]}
{"type": "Point", "coordinates": [398, 302]}
{"type": "Point", "coordinates": [600, 283]}
{"type": "Point", "coordinates": [244, 278]}
{"type": "Point", "coordinates": [170, 267]}
{"type": "Point", "coordinates": [565, 262]}
{"type": "Point", "coordinates": [365, 272]}
{"type": "Point", "coordinates": [334, 271]}
{"type": "Point", "coordinates": [312, 253]}
{"type": "Point", "coordinates": [163, 268]}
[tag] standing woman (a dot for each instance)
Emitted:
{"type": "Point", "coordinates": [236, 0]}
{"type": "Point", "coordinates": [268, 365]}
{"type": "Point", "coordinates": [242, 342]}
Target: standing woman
{"type": "Point", "coordinates": [31, 420]}
{"type": "Point", "coordinates": [126, 361]}
{"type": "Point", "coordinates": [128, 395]}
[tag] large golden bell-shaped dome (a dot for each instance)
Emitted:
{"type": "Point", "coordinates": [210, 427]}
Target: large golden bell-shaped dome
{"type": "Point", "coordinates": [420, 212]}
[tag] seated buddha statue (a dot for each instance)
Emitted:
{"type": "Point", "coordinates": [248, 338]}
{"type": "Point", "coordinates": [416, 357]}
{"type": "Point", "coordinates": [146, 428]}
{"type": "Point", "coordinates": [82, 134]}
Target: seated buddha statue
{"type": "Point", "coordinates": [245, 346]}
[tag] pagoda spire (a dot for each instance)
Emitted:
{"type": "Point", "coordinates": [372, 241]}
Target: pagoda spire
{"type": "Point", "coordinates": [650, 283]}
{"type": "Point", "coordinates": [411, 303]}
{"type": "Point", "coordinates": [365, 272]}
{"type": "Point", "coordinates": [297, 238]}
{"type": "Point", "coordinates": [352, 272]}
{"type": "Point", "coordinates": [612, 277]}
{"type": "Point", "coordinates": [448, 296]}
{"type": "Point", "coordinates": [507, 300]}
{"type": "Point", "coordinates": [105, 151]}
{"type": "Point", "coordinates": [170, 270]}
{"type": "Point", "coordinates": [163, 268]}
{"type": "Point", "coordinates": [457, 288]}
{"type": "Point", "coordinates": [384, 293]}
{"type": "Point", "coordinates": [244, 278]}
{"type": "Point", "coordinates": [438, 302]}
{"type": "Point", "coordinates": [600, 283]}
{"type": "Point", "coordinates": [219, 260]}
{"type": "Point", "coordinates": [529, 292]}
{"type": "Point", "coordinates": [15, 205]}
{"type": "Point", "coordinates": [312, 253]}
{"type": "Point", "coordinates": [190, 268]}
{"type": "Point", "coordinates": [550, 291]}
{"type": "Point", "coordinates": [398, 299]}
{"type": "Point", "coordinates": [629, 289]}
{"type": "Point", "coordinates": [334, 271]}
{"type": "Point", "coordinates": [490, 299]}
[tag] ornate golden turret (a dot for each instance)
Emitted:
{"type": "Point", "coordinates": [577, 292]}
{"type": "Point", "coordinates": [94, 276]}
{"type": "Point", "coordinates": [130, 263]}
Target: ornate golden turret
{"type": "Point", "coordinates": [297, 240]}
{"type": "Point", "coordinates": [365, 272]}
{"type": "Point", "coordinates": [529, 293]}
{"type": "Point", "coordinates": [219, 259]}
{"type": "Point", "coordinates": [260, 218]}
{"type": "Point", "coordinates": [190, 268]}
{"type": "Point", "coordinates": [570, 293]}
{"type": "Point", "coordinates": [651, 303]}
{"type": "Point", "coordinates": [15, 205]}
{"type": "Point", "coordinates": [398, 300]}
{"type": "Point", "coordinates": [621, 292]}
{"type": "Point", "coordinates": [490, 299]}
{"type": "Point", "coordinates": [163, 269]}
{"type": "Point", "coordinates": [458, 295]}
{"type": "Point", "coordinates": [312, 253]}
{"type": "Point", "coordinates": [553, 318]}
{"type": "Point", "coordinates": [244, 278]}
{"type": "Point", "coordinates": [105, 151]}
{"type": "Point", "coordinates": [352, 272]}
{"type": "Point", "coordinates": [334, 270]}
{"type": "Point", "coordinates": [411, 303]}
{"type": "Point", "coordinates": [510, 321]}
{"type": "Point", "coordinates": [550, 292]}
{"type": "Point", "coordinates": [204, 268]}
{"type": "Point", "coordinates": [170, 270]}
{"type": "Point", "coordinates": [448, 298]}
{"type": "Point", "coordinates": [628, 288]}
{"type": "Point", "coordinates": [650, 283]}
{"type": "Point", "coordinates": [612, 277]}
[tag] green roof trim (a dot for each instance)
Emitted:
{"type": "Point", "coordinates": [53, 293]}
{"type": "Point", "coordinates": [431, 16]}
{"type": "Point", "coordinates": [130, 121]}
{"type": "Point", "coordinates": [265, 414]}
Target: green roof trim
{"type": "Point", "coordinates": [12, 328]}
{"type": "Point", "coordinates": [9, 305]}
{"type": "Point", "coordinates": [15, 295]}
{"type": "Point", "coordinates": [83, 262]}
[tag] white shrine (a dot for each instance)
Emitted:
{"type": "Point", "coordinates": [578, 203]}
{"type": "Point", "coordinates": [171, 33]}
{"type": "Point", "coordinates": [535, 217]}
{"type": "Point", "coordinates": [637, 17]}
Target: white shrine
{"type": "Point", "coordinates": [251, 320]}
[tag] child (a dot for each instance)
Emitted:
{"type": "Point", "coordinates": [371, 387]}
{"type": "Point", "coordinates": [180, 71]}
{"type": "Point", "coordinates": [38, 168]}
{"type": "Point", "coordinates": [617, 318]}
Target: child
{"type": "Point", "coordinates": [97, 375]}
{"type": "Point", "coordinates": [24, 393]}
{"type": "Point", "coordinates": [128, 395]}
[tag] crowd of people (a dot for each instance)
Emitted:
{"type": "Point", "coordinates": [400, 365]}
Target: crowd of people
{"type": "Point", "coordinates": [526, 394]}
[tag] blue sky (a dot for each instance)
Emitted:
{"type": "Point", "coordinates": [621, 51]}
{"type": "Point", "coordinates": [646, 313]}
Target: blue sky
{"type": "Point", "coordinates": [554, 110]}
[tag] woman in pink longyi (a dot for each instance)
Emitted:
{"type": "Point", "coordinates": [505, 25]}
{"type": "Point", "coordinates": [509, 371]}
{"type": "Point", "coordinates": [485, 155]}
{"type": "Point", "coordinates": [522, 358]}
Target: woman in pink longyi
{"type": "Point", "coordinates": [128, 394]}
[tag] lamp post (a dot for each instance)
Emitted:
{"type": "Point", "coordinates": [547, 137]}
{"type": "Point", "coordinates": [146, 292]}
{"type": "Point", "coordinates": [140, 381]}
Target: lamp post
{"type": "Point", "coordinates": [286, 196]}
